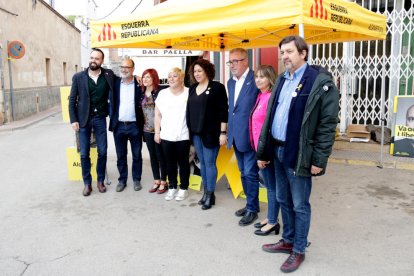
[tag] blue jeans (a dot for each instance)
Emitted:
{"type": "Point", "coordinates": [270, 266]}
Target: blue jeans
{"type": "Point", "coordinates": [293, 193]}
{"type": "Point", "coordinates": [123, 133]}
{"type": "Point", "coordinates": [249, 177]}
{"type": "Point", "coordinates": [208, 167]}
{"type": "Point", "coordinates": [272, 203]}
{"type": "Point", "coordinates": [98, 125]}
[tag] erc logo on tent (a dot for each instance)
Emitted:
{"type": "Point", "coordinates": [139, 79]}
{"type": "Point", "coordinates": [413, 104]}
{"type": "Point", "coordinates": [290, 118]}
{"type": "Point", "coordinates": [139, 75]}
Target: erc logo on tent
{"type": "Point", "coordinates": [107, 33]}
{"type": "Point", "coordinates": [317, 10]}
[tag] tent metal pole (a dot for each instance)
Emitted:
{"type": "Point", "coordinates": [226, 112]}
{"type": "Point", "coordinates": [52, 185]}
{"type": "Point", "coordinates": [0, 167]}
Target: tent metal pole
{"type": "Point", "coordinates": [301, 30]}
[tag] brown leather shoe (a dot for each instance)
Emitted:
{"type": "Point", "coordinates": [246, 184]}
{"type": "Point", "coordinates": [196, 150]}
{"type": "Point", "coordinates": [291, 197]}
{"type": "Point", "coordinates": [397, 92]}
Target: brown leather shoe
{"type": "Point", "coordinates": [293, 262]}
{"type": "Point", "coordinates": [101, 187]}
{"type": "Point", "coordinates": [279, 247]}
{"type": "Point", "coordinates": [87, 190]}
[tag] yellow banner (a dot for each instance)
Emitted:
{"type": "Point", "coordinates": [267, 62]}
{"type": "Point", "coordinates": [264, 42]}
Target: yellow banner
{"type": "Point", "coordinates": [404, 131]}
{"type": "Point", "coordinates": [218, 25]}
{"type": "Point", "coordinates": [74, 164]}
{"type": "Point", "coordinates": [64, 102]}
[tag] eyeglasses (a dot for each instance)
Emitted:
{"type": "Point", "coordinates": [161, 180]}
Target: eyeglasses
{"type": "Point", "coordinates": [234, 61]}
{"type": "Point", "coordinates": [126, 67]}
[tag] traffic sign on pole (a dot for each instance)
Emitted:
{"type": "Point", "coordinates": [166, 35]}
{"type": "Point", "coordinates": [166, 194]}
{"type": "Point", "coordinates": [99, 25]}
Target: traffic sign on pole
{"type": "Point", "coordinates": [16, 49]}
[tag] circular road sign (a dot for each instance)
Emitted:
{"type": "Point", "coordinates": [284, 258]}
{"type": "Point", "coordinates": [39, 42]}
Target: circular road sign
{"type": "Point", "coordinates": [16, 49]}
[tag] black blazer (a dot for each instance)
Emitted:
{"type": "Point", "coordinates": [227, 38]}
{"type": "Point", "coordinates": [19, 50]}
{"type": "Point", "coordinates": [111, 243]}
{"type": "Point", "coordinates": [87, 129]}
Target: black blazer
{"type": "Point", "coordinates": [114, 104]}
{"type": "Point", "coordinates": [79, 98]}
{"type": "Point", "coordinates": [215, 113]}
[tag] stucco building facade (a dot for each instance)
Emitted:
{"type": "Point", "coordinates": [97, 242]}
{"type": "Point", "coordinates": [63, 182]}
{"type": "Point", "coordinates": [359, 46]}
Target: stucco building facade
{"type": "Point", "coordinates": [52, 56]}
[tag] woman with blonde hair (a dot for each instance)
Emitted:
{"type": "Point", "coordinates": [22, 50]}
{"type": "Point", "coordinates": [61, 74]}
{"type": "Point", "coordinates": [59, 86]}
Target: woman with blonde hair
{"type": "Point", "coordinates": [172, 133]}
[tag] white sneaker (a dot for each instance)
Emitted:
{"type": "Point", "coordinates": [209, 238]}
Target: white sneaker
{"type": "Point", "coordinates": [171, 194]}
{"type": "Point", "coordinates": [181, 195]}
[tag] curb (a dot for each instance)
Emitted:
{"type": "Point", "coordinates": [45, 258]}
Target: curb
{"type": "Point", "coordinates": [369, 163]}
{"type": "Point", "coordinates": [31, 120]}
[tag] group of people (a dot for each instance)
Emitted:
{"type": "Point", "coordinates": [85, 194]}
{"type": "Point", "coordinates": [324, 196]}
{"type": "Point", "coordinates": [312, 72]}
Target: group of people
{"type": "Point", "coordinates": [284, 126]}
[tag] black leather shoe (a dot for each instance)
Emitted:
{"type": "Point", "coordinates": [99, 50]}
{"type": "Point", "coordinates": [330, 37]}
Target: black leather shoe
{"type": "Point", "coordinates": [137, 185]}
{"type": "Point", "coordinates": [241, 212]}
{"type": "Point", "coordinates": [120, 187]}
{"type": "Point", "coordinates": [248, 218]}
{"type": "Point", "coordinates": [203, 199]}
{"type": "Point", "coordinates": [259, 225]}
{"type": "Point", "coordinates": [210, 201]}
{"type": "Point", "coordinates": [275, 228]}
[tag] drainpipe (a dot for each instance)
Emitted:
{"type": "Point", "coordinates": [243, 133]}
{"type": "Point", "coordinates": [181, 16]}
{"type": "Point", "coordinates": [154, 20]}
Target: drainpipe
{"type": "Point", "coordinates": [2, 101]}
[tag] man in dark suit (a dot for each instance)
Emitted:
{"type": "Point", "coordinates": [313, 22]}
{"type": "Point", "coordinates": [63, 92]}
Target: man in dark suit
{"type": "Point", "coordinates": [88, 109]}
{"type": "Point", "coordinates": [242, 97]}
{"type": "Point", "coordinates": [126, 122]}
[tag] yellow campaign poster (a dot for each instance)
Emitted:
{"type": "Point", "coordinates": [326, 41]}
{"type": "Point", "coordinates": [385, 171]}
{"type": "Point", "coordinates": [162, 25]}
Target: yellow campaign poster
{"type": "Point", "coordinates": [74, 165]}
{"type": "Point", "coordinates": [195, 182]}
{"type": "Point", "coordinates": [227, 165]}
{"type": "Point", "coordinates": [262, 195]}
{"type": "Point", "coordinates": [64, 101]}
{"type": "Point", "coordinates": [404, 127]}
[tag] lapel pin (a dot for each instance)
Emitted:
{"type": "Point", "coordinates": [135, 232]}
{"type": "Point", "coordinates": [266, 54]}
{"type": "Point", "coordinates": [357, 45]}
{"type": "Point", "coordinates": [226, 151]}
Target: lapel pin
{"type": "Point", "coordinates": [325, 88]}
{"type": "Point", "coordinates": [294, 94]}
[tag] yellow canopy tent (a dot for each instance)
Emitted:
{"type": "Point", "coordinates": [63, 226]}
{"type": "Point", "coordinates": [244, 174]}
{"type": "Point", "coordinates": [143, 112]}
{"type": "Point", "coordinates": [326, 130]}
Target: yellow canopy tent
{"type": "Point", "coordinates": [217, 25]}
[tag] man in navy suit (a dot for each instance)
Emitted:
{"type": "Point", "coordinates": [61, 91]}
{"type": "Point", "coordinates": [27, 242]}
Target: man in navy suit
{"type": "Point", "coordinates": [88, 109]}
{"type": "Point", "coordinates": [126, 123]}
{"type": "Point", "coordinates": [242, 97]}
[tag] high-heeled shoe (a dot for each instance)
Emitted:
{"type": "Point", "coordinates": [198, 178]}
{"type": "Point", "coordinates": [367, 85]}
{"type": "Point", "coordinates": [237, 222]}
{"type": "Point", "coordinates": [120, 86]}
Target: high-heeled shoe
{"type": "Point", "coordinates": [259, 225]}
{"type": "Point", "coordinates": [164, 189]}
{"type": "Point", "coordinates": [155, 187]}
{"type": "Point", "coordinates": [275, 228]}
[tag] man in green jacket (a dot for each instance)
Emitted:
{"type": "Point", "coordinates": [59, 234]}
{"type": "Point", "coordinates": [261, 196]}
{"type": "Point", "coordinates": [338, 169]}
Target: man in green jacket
{"type": "Point", "coordinates": [297, 138]}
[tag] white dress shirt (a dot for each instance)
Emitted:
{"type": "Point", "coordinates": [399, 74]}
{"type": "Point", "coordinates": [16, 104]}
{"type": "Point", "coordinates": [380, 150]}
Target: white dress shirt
{"type": "Point", "coordinates": [239, 85]}
{"type": "Point", "coordinates": [127, 102]}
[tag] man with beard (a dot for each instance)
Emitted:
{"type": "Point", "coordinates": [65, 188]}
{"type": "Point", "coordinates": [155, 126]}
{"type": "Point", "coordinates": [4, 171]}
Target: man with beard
{"type": "Point", "coordinates": [127, 120]}
{"type": "Point", "coordinates": [88, 109]}
{"type": "Point", "coordinates": [298, 134]}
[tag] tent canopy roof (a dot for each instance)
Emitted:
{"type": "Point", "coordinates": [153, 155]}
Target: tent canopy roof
{"type": "Point", "coordinates": [225, 24]}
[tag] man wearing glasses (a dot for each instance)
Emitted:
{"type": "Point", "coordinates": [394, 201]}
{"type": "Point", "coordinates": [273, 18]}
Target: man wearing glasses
{"type": "Point", "coordinates": [126, 123]}
{"type": "Point", "coordinates": [242, 97]}
{"type": "Point", "coordinates": [88, 108]}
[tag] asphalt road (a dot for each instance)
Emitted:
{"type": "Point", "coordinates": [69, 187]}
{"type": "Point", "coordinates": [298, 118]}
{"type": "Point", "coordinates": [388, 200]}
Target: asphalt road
{"type": "Point", "coordinates": [362, 221]}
